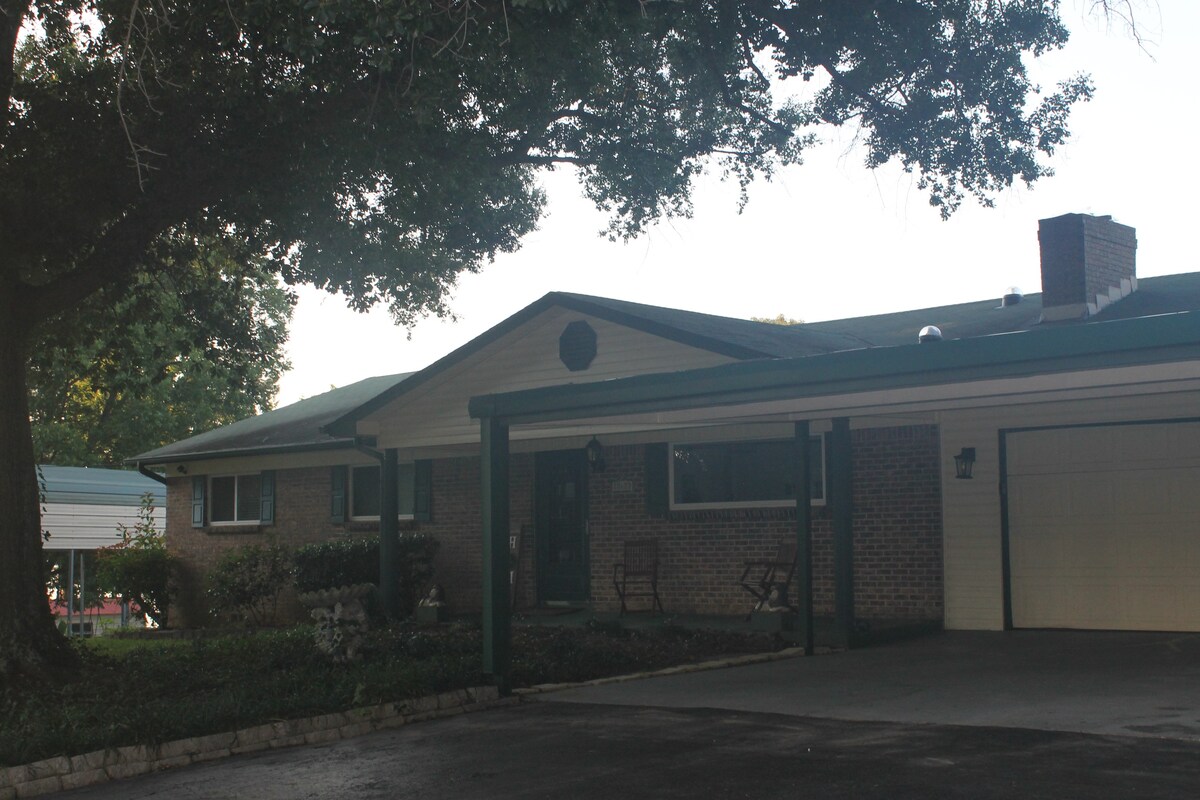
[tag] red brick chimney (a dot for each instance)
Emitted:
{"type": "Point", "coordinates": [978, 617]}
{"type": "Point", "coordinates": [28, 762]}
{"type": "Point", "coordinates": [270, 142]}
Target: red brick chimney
{"type": "Point", "coordinates": [1087, 263]}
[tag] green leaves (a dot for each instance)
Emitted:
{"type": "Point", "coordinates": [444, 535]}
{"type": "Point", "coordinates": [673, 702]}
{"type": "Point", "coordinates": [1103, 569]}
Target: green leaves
{"type": "Point", "coordinates": [140, 569]}
{"type": "Point", "coordinates": [380, 149]}
{"type": "Point", "coordinates": [246, 583]}
{"type": "Point", "coordinates": [197, 345]}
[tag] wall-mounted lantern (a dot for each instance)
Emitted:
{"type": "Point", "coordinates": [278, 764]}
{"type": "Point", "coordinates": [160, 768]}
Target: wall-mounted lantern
{"type": "Point", "coordinates": [595, 455]}
{"type": "Point", "coordinates": [964, 463]}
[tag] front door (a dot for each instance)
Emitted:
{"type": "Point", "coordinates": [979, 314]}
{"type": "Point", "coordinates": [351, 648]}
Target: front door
{"type": "Point", "coordinates": [560, 526]}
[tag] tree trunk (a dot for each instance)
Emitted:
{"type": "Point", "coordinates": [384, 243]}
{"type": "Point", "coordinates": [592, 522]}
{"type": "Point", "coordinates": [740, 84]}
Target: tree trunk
{"type": "Point", "coordinates": [30, 645]}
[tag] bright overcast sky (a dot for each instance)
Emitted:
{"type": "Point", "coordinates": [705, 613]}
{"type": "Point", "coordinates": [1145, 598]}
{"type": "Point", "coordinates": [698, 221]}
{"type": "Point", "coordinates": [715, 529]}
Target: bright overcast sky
{"type": "Point", "coordinates": [831, 239]}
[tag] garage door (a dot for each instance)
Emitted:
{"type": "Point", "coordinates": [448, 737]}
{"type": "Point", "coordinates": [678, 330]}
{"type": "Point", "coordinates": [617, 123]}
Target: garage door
{"type": "Point", "coordinates": [1104, 527]}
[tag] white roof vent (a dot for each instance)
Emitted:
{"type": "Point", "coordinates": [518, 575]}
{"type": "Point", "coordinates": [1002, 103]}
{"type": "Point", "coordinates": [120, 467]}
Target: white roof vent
{"type": "Point", "coordinates": [930, 333]}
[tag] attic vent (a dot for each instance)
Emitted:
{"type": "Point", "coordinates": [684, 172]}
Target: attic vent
{"type": "Point", "coordinates": [577, 346]}
{"type": "Point", "coordinates": [930, 333]}
{"type": "Point", "coordinates": [1012, 298]}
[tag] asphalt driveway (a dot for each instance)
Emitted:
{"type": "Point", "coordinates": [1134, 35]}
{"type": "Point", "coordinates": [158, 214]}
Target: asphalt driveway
{"type": "Point", "coordinates": [956, 715]}
{"type": "Point", "coordinates": [573, 751]}
{"type": "Point", "coordinates": [1140, 684]}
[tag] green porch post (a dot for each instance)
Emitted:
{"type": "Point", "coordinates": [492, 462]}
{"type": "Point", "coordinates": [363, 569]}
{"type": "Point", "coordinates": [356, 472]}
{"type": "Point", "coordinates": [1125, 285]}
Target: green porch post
{"type": "Point", "coordinates": [389, 534]}
{"type": "Point", "coordinates": [804, 591]}
{"type": "Point", "coordinates": [497, 623]}
{"type": "Point", "coordinates": [841, 496]}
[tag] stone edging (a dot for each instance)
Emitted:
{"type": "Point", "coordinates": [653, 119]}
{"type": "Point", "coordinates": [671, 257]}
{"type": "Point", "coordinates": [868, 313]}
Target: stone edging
{"type": "Point", "coordinates": [721, 663]}
{"type": "Point", "coordinates": [71, 772]}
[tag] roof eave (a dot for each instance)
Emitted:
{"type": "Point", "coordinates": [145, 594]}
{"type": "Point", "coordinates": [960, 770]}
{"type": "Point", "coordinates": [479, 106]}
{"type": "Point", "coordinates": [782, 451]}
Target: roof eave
{"type": "Point", "coordinates": [1170, 337]}
{"type": "Point", "coordinates": [150, 459]}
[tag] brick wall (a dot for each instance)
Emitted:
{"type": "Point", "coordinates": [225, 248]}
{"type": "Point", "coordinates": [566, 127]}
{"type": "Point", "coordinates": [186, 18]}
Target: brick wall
{"type": "Point", "coordinates": [458, 526]}
{"type": "Point", "coordinates": [1083, 256]}
{"type": "Point", "coordinates": [897, 518]}
{"type": "Point", "coordinates": [302, 516]}
{"type": "Point", "coordinates": [897, 542]}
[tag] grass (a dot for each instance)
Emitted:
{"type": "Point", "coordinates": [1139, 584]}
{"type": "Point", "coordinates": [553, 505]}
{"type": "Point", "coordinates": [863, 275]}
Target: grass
{"type": "Point", "coordinates": [150, 691]}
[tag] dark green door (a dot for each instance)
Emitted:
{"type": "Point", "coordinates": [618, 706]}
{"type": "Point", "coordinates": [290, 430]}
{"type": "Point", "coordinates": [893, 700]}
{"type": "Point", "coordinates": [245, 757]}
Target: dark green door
{"type": "Point", "coordinates": [560, 498]}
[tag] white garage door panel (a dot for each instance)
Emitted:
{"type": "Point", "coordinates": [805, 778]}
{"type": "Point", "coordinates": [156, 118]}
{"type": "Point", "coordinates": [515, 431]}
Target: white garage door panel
{"type": "Point", "coordinates": [1104, 527]}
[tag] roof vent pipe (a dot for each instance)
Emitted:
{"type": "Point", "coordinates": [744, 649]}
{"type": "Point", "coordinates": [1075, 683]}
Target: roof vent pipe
{"type": "Point", "coordinates": [1012, 298]}
{"type": "Point", "coordinates": [930, 333]}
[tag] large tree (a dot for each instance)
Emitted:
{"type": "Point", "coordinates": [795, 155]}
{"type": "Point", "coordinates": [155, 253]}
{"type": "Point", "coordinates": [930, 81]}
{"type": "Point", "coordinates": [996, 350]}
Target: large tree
{"type": "Point", "coordinates": [172, 354]}
{"type": "Point", "coordinates": [380, 148]}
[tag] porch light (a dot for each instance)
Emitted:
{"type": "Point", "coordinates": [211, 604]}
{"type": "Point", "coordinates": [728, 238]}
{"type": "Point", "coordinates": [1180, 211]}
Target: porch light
{"type": "Point", "coordinates": [595, 455]}
{"type": "Point", "coordinates": [964, 462]}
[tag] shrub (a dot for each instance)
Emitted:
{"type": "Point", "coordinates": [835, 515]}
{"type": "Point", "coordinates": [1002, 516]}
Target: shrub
{"type": "Point", "coordinates": [140, 569]}
{"type": "Point", "coordinates": [144, 577]}
{"type": "Point", "coordinates": [336, 563]}
{"type": "Point", "coordinates": [345, 562]}
{"type": "Point", "coordinates": [246, 583]}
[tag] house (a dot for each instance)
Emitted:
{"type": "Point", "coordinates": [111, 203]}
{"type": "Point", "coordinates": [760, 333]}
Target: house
{"type": "Point", "coordinates": [1032, 462]}
{"type": "Point", "coordinates": [95, 620]}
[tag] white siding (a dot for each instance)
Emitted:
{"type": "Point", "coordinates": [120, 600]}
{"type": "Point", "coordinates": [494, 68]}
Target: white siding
{"type": "Point", "coordinates": [436, 412]}
{"type": "Point", "coordinates": [87, 527]}
{"type": "Point", "coordinates": [971, 509]}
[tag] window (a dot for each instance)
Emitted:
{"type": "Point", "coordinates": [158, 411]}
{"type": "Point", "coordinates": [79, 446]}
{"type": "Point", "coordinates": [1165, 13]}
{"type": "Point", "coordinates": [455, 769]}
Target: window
{"type": "Point", "coordinates": [741, 474]}
{"type": "Point", "coordinates": [365, 493]}
{"type": "Point", "coordinates": [235, 499]}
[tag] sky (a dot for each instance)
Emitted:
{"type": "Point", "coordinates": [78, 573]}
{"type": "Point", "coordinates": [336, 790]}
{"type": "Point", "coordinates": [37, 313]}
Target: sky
{"type": "Point", "coordinates": [831, 239]}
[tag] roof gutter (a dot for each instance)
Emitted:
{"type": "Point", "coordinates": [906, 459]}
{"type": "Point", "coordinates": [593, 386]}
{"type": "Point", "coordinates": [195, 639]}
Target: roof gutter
{"type": "Point", "coordinates": [154, 476]}
{"type": "Point", "coordinates": [363, 445]}
{"type": "Point", "coordinates": [181, 458]}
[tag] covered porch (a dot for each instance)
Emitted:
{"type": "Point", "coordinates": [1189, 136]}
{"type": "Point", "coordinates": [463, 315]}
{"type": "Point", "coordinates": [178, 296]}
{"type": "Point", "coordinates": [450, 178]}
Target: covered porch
{"type": "Point", "coordinates": [971, 390]}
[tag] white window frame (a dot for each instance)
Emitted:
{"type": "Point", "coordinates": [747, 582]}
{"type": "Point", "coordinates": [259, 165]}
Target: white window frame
{"type": "Point", "coordinates": [734, 504]}
{"type": "Point", "coordinates": [350, 493]}
{"type": "Point", "coordinates": [212, 496]}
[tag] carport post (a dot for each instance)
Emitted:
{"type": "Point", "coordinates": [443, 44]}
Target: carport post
{"type": "Point", "coordinates": [389, 534]}
{"type": "Point", "coordinates": [841, 497]}
{"type": "Point", "coordinates": [497, 623]}
{"type": "Point", "coordinates": [804, 595]}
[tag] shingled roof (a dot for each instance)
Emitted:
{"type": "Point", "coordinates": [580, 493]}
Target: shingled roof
{"type": "Point", "coordinates": [327, 420]}
{"type": "Point", "coordinates": [1166, 294]}
{"type": "Point", "coordinates": [299, 426]}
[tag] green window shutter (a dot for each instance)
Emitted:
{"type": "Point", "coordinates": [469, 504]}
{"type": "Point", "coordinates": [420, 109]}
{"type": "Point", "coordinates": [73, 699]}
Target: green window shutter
{"type": "Point", "coordinates": [337, 494]}
{"type": "Point", "coordinates": [423, 490]}
{"type": "Point", "coordinates": [198, 486]}
{"type": "Point", "coordinates": [658, 481]}
{"type": "Point", "coordinates": [266, 514]}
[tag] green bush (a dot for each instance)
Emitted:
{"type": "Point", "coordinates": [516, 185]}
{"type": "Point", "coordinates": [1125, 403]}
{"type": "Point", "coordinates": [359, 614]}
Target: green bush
{"type": "Point", "coordinates": [140, 569]}
{"type": "Point", "coordinates": [245, 584]}
{"type": "Point", "coordinates": [336, 563]}
{"type": "Point", "coordinates": [144, 577]}
{"type": "Point", "coordinates": [148, 691]}
{"type": "Point", "coordinates": [345, 562]}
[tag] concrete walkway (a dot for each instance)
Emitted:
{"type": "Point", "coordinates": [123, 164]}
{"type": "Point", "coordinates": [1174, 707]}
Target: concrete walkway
{"type": "Point", "coordinates": [1091, 682]}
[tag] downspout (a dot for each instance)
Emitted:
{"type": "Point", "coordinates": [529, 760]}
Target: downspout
{"type": "Point", "coordinates": [151, 474]}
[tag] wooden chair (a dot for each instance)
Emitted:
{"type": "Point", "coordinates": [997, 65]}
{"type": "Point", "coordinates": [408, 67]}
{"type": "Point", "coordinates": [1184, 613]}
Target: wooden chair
{"type": "Point", "coordinates": [759, 576]}
{"type": "Point", "coordinates": [639, 564]}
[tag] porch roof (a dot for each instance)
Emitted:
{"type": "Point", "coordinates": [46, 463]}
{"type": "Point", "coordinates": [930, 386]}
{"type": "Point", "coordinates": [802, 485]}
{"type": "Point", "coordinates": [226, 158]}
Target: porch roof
{"type": "Point", "coordinates": [1120, 343]}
